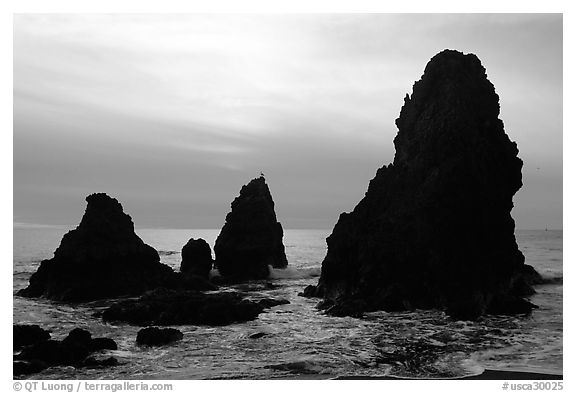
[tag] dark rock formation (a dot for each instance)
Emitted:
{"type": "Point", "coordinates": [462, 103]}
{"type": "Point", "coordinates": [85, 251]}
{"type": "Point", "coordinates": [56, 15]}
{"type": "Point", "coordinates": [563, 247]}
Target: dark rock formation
{"type": "Point", "coordinates": [92, 362]}
{"type": "Point", "coordinates": [164, 307]}
{"type": "Point", "coordinates": [251, 238]}
{"type": "Point", "coordinates": [101, 258]}
{"type": "Point", "coordinates": [153, 336]}
{"type": "Point", "coordinates": [28, 334]}
{"type": "Point", "coordinates": [434, 229]}
{"type": "Point", "coordinates": [102, 343]}
{"type": "Point", "coordinates": [72, 351]}
{"type": "Point", "coordinates": [196, 258]}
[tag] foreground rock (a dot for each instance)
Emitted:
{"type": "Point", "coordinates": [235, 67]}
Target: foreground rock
{"type": "Point", "coordinates": [153, 336]}
{"type": "Point", "coordinates": [164, 307]}
{"type": "Point", "coordinates": [434, 229]}
{"type": "Point", "coordinates": [251, 239]}
{"type": "Point", "coordinates": [72, 351]}
{"type": "Point", "coordinates": [101, 258]}
{"type": "Point", "coordinates": [196, 258]}
{"type": "Point", "coordinates": [24, 335]}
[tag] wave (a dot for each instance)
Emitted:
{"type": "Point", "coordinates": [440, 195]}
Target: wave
{"type": "Point", "coordinates": [163, 252]}
{"type": "Point", "coordinates": [292, 273]}
{"type": "Point", "coordinates": [552, 279]}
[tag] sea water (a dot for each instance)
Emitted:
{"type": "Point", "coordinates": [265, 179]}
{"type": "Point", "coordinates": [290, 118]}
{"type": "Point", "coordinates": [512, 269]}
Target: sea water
{"type": "Point", "coordinates": [299, 341]}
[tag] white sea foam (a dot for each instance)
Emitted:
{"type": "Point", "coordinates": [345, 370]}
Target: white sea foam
{"type": "Point", "coordinates": [214, 273]}
{"type": "Point", "coordinates": [292, 273]}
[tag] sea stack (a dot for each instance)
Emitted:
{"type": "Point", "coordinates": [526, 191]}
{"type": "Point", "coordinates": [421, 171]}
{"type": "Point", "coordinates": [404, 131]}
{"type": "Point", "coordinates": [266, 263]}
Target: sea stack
{"type": "Point", "coordinates": [434, 229]}
{"type": "Point", "coordinates": [251, 239]}
{"type": "Point", "coordinates": [102, 258]}
{"type": "Point", "coordinates": [196, 258]}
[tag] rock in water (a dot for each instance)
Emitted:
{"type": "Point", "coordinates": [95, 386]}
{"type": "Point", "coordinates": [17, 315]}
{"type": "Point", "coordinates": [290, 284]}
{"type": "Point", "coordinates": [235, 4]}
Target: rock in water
{"type": "Point", "coordinates": [28, 334]}
{"type": "Point", "coordinates": [72, 351]}
{"type": "Point", "coordinates": [251, 238]}
{"type": "Point", "coordinates": [196, 258]}
{"type": "Point", "coordinates": [101, 258]}
{"type": "Point", "coordinates": [434, 229]}
{"type": "Point", "coordinates": [164, 307]}
{"type": "Point", "coordinates": [153, 336]}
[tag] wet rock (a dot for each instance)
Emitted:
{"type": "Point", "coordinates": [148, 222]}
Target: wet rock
{"type": "Point", "coordinates": [102, 343]}
{"type": "Point", "coordinates": [510, 305]}
{"type": "Point", "coordinates": [435, 225]}
{"type": "Point", "coordinates": [163, 307]}
{"type": "Point", "coordinates": [54, 352]}
{"type": "Point", "coordinates": [28, 334]}
{"type": "Point", "coordinates": [531, 276]}
{"type": "Point", "coordinates": [23, 367]}
{"type": "Point", "coordinates": [251, 239]}
{"type": "Point", "coordinates": [102, 258]}
{"type": "Point", "coordinates": [79, 336]}
{"type": "Point", "coordinates": [71, 351]}
{"type": "Point", "coordinates": [92, 362]}
{"type": "Point", "coordinates": [311, 291]}
{"type": "Point", "coordinates": [353, 308]}
{"type": "Point", "coordinates": [523, 281]}
{"type": "Point", "coordinates": [196, 258]}
{"type": "Point", "coordinates": [189, 281]}
{"type": "Point", "coordinates": [153, 336]}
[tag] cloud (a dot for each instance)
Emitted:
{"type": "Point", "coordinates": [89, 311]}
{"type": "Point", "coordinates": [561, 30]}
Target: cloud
{"type": "Point", "coordinates": [184, 109]}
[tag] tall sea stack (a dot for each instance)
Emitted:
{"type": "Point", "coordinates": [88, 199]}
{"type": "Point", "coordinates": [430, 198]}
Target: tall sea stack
{"type": "Point", "coordinates": [251, 238]}
{"type": "Point", "coordinates": [434, 229]}
{"type": "Point", "coordinates": [103, 257]}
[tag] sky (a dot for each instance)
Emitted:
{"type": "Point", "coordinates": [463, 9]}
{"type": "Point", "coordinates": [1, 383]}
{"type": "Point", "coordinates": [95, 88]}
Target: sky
{"type": "Point", "coordinates": [172, 114]}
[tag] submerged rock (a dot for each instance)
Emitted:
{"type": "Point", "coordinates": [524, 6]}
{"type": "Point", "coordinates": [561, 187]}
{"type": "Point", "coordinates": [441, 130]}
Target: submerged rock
{"type": "Point", "coordinates": [103, 257]}
{"type": "Point", "coordinates": [164, 307]}
{"type": "Point", "coordinates": [196, 258]}
{"type": "Point", "coordinates": [153, 336]}
{"type": "Point", "coordinates": [71, 351]}
{"type": "Point", "coordinates": [434, 229]}
{"type": "Point", "coordinates": [92, 362]}
{"type": "Point", "coordinates": [28, 334]}
{"type": "Point", "coordinates": [251, 239]}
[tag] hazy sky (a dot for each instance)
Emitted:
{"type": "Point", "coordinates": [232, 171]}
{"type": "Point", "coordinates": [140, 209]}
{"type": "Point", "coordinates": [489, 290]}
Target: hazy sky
{"type": "Point", "coordinates": [172, 114]}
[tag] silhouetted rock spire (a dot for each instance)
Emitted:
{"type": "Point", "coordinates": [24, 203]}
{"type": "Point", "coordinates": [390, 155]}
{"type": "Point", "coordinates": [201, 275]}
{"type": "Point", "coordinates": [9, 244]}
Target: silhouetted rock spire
{"type": "Point", "coordinates": [103, 257]}
{"type": "Point", "coordinates": [251, 238]}
{"type": "Point", "coordinates": [434, 229]}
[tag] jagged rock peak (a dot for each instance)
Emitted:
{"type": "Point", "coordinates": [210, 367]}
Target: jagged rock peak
{"type": "Point", "coordinates": [454, 86]}
{"type": "Point", "coordinates": [106, 213]}
{"type": "Point", "coordinates": [102, 257]}
{"type": "Point", "coordinates": [251, 238]}
{"type": "Point", "coordinates": [434, 229]}
{"type": "Point", "coordinates": [256, 191]}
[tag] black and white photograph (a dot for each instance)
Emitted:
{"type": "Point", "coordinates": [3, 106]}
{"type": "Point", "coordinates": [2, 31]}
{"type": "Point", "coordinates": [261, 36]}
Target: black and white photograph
{"type": "Point", "coordinates": [287, 196]}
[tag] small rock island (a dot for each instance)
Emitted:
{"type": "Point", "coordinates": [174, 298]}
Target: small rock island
{"type": "Point", "coordinates": [102, 258]}
{"type": "Point", "coordinates": [251, 239]}
{"type": "Point", "coordinates": [434, 229]}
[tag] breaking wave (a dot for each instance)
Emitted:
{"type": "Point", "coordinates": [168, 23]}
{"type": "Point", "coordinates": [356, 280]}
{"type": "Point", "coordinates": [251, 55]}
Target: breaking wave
{"type": "Point", "coordinates": [293, 273]}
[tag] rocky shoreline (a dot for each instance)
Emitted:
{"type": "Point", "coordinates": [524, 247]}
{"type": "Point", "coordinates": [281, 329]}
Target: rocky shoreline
{"type": "Point", "coordinates": [415, 241]}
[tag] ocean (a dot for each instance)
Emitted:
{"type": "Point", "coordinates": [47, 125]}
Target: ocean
{"type": "Point", "coordinates": [299, 341]}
